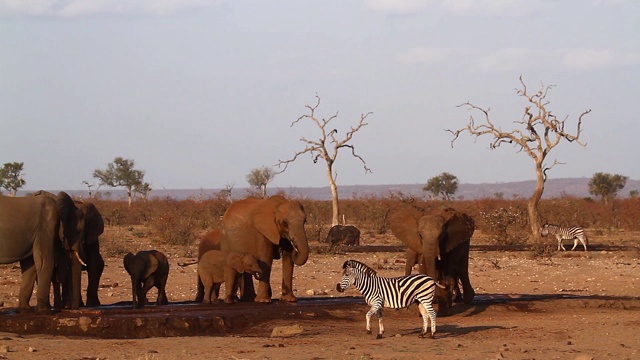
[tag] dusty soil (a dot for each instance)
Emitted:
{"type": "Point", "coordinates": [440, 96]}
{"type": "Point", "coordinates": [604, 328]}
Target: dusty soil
{"type": "Point", "coordinates": [571, 305]}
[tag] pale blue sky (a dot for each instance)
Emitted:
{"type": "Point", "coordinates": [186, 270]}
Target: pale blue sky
{"type": "Point", "coordinates": [200, 92]}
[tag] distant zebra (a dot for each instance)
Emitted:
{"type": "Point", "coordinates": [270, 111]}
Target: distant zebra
{"type": "Point", "coordinates": [574, 233]}
{"type": "Point", "coordinates": [396, 293]}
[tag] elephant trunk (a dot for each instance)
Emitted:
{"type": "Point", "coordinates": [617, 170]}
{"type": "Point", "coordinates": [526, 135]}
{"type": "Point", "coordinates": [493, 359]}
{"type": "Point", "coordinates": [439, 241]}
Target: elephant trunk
{"type": "Point", "coordinates": [134, 291]}
{"type": "Point", "coordinates": [76, 279]}
{"type": "Point", "coordinates": [300, 253]}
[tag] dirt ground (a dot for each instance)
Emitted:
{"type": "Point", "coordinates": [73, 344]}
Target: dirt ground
{"type": "Point", "coordinates": [572, 305]}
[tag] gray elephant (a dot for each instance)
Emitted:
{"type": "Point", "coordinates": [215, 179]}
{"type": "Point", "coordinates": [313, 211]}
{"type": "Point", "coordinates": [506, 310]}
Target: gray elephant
{"type": "Point", "coordinates": [443, 240]}
{"type": "Point", "coordinates": [269, 229]}
{"type": "Point", "coordinates": [216, 267]}
{"type": "Point", "coordinates": [348, 235]}
{"type": "Point", "coordinates": [147, 269]}
{"type": "Point", "coordinates": [84, 255]}
{"type": "Point", "coordinates": [32, 231]}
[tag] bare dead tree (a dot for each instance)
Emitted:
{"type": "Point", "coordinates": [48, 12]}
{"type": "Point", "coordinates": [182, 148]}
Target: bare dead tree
{"type": "Point", "coordinates": [541, 131]}
{"type": "Point", "coordinates": [327, 148]}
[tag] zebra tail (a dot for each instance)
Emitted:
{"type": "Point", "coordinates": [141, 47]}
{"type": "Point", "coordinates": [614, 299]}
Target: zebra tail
{"type": "Point", "coordinates": [439, 285]}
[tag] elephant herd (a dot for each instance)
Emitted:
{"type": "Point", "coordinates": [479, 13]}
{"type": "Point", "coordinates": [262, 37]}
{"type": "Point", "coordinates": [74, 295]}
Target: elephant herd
{"type": "Point", "coordinates": [54, 238]}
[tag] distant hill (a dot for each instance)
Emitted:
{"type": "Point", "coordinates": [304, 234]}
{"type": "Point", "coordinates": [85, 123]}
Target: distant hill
{"type": "Point", "coordinates": [577, 187]}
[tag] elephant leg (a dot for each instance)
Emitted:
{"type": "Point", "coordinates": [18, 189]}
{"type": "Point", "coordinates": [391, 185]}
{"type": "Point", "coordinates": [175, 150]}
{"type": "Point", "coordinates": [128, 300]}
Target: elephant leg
{"type": "Point", "coordinates": [248, 292]}
{"type": "Point", "coordinates": [264, 286]}
{"type": "Point", "coordinates": [27, 283]}
{"type": "Point", "coordinates": [162, 296]}
{"type": "Point", "coordinates": [468, 292]}
{"type": "Point", "coordinates": [231, 277]}
{"type": "Point", "coordinates": [162, 290]}
{"type": "Point", "coordinates": [287, 278]}
{"type": "Point", "coordinates": [214, 295]}
{"type": "Point", "coordinates": [147, 284]}
{"type": "Point", "coordinates": [95, 267]}
{"type": "Point", "coordinates": [200, 294]}
{"type": "Point", "coordinates": [44, 275]}
{"type": "Point", "coordinates": [412, 258]}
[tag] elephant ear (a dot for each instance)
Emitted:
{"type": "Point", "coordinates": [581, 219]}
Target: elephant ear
{"type": "Point", "coordinates": [404, 226]}
{"type": "Point", "coordinates": [264, 218]}
{"type": "Point", "coordinates": [127, 261]}
{"type": "Point", "coordinates": [152, 265]}
{"type": "Point", "coordinates": [94, 224]}
{"type": "Point", "coordinates": [66, 204]}
{"type": "Point", "coordinates": [459, 228]}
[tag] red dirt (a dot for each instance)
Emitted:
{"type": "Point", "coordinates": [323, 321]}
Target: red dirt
{"type": "Point", "coordinates": [572, 305]}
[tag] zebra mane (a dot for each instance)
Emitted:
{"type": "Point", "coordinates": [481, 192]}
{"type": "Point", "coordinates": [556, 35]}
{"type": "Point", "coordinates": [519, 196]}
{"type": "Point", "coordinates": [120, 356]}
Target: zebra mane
{"type": "Point", "coordinates": [355, 264]}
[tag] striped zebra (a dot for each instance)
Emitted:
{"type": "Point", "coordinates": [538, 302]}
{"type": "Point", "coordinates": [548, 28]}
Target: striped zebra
{"type": "Point", "coordinates": [395, 293]}
{"type": "Point", "coordinates": [574, 233]}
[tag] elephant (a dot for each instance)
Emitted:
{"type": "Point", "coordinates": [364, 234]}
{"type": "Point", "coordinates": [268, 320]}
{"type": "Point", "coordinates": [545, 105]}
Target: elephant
{"type": "Point", "coordinates": [217, 266]}
{"type": "Point", "coordinates": [348, 235]}
{"type": "Point", "coordinates": [443, 240]}
{"type": "Point", "coordinates": [269, 229]}
{"type": "Point", "coordinates": [94, 227]}
{"type": "Point", "coordinates": [147, 269]}
{"type": "Point", "coordinates": [30, 233]}
{"type": "Point", "coordinates": [89, 257]}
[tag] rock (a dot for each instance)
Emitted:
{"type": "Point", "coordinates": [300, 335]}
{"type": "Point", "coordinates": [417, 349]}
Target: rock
{"type": "Point", "coordinates": [583, 357]}
{"type": "Point", "coordinates": [286, 331]}
{"type": "Point", "coordinates": [4, 349]}
{"type": "Point", "coordinates": [32, 349]}
{"type": "Point", "coordinates": [316, 292]}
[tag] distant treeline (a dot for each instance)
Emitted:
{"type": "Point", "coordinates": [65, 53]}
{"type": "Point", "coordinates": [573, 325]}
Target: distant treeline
{"type": "Point", "coordinates": [505, 221]}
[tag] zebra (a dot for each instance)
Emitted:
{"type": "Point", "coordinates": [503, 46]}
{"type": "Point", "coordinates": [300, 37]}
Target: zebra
{"type": "Point", "coordinates": [396, 293]}
{"type": "Point", "coordinates": [574, 233]}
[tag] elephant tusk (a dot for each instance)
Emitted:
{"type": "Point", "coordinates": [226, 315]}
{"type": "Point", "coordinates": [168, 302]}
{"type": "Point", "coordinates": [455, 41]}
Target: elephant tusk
{"type": "Point", "coordinates": [77, 256]}
{"type": "Point", "coordinates": [294, 246]}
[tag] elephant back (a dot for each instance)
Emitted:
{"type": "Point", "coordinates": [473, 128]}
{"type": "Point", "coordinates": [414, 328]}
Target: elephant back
{"type": "Point", "coordinates": [459, 228]}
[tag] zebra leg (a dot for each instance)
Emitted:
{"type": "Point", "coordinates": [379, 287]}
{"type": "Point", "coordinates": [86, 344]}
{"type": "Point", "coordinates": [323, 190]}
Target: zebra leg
{"type": "Point", "coordinates": [584, 242]}
{"type": "Point", "coordinates": [380, 325]}
{"type": "Point", "coordinates": [428, 313]}
{"type": "Point", "coordinates": [560, 244]}
{"type": "Point", "coordinates": [575, 243]}
{"type": "Point", "coordinates": [368, 317]}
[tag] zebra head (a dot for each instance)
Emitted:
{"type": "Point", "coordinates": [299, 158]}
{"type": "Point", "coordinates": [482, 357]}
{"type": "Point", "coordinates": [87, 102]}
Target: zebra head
{"type": "Point", "coordinates": [544, 231]}
{"type": "Point", "coordinates": [352, 271]}
{"type": "Point", "coordinates": [348, 278]}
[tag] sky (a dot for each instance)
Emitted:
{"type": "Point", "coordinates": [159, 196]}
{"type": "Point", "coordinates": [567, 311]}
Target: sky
{"type": "Point", "coordinates": [200, 92]}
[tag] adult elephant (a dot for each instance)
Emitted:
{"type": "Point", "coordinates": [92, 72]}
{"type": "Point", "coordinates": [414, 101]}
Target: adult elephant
{"type": "Point", "coordinates": [269, 229]}
{"type": "Point", "coordinates": [82, 253]}
{"type": "Point", "coordinates": [94, 262]}
{"type": "Point", "coordinates": [442, 240]}
{"type": "Point", "coordinates": [32, 230]}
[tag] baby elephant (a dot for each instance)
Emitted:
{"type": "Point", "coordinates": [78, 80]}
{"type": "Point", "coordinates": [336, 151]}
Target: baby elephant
{"type": "Point", "coordinates": [147, 269]}
{"type": "Point", "coordinates": [217, 266]}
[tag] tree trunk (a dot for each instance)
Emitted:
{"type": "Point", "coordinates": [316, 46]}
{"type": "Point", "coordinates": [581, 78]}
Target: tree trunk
{"type": "Point", "coordinates": [334, 196]}
{"type": "Point", "coordinates": [130, 196]}
{"type": "Point", "coordinates": [532, 205]}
